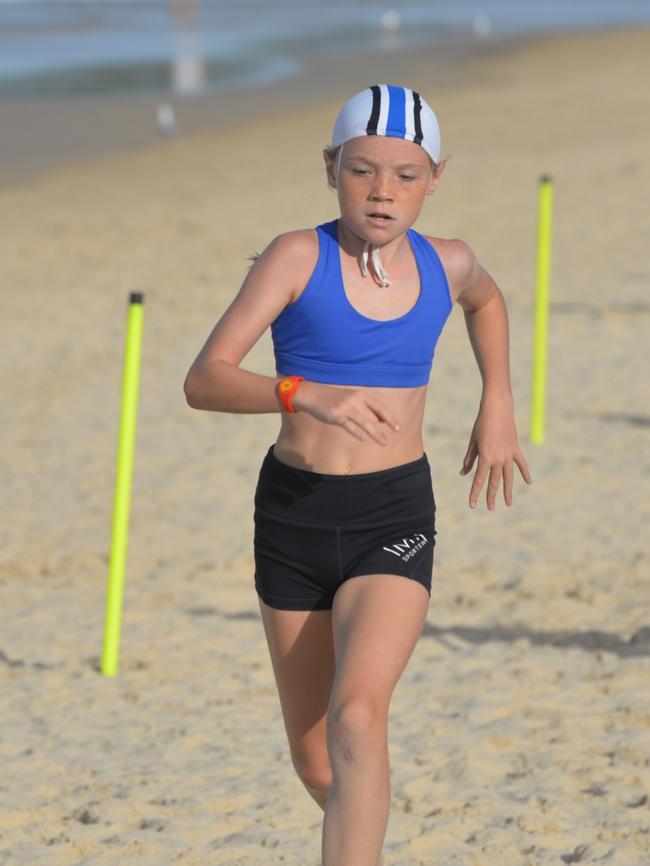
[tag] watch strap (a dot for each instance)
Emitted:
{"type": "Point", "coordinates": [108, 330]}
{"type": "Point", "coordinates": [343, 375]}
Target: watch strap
{"type": "Point", "coordinates": [286, 388]}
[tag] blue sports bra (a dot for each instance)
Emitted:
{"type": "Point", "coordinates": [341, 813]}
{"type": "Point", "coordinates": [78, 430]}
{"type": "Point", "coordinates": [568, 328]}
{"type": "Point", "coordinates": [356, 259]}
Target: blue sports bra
{"type": "Point", "coordinates": [323, 337]}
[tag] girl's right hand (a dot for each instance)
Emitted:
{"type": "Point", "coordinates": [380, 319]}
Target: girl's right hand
{"type": "Point", "coordinates": [354, 410]}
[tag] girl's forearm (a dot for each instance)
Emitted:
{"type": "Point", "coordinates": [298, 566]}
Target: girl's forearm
{"type": "Point", "coordinates": [219, 386]}
{"type": "Point", "coordinates": [489, 337]}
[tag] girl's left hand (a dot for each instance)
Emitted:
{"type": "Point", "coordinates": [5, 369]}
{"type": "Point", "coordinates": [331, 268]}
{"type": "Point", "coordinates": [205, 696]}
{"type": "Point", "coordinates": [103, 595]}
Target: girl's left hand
{"type": "Point", "coordinates": [494, 441]}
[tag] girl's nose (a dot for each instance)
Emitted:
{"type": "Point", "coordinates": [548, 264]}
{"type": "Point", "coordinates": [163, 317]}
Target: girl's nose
{"type": "Point", "coordinates": [381, 188]}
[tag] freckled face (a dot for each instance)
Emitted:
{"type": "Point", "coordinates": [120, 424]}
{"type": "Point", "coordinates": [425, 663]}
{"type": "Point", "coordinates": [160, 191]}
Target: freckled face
{"type": "Point", "coordinates": [381, 185]}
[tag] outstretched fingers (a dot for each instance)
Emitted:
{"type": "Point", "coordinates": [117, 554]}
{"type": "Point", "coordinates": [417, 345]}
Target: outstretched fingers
{"type": "Point", "coordinates": [482, 471]}
{"type": "Point", "coordinates": [520, 460]}
{"type": "Point", "coordinates": [508, 477]}
{"type": "Point", "coordinates": [497, 473]}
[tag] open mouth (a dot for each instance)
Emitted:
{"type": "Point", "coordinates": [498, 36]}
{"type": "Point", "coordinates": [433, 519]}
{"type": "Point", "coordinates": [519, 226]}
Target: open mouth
{"type": "Point", "coordinates": [382, 216]}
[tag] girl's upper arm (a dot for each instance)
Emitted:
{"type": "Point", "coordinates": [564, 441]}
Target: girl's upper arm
{"type": "Point", "coordinates": [470, 284]}
{"type": "Point", "coordinates": [275, 278]}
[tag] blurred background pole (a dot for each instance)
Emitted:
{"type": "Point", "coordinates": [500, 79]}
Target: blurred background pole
{"type": "Point", "coordinates": [122, 497]}
{"type": "Point", "coordinates": [540, 345]}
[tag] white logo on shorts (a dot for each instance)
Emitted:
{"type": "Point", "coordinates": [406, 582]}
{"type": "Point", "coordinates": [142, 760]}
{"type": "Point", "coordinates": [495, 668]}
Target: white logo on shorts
{"type": "Point", "coordinates": [408, 547]}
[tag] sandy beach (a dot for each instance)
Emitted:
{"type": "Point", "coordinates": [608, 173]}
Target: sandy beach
{"type": "Point", "coordinates": [520, 730]}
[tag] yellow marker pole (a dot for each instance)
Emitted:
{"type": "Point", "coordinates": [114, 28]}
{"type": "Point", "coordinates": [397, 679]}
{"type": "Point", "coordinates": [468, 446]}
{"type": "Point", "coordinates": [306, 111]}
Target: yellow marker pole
{"type": "Point", "coordinates": [544, 225]}
{"type": "Point", "coordinates": [122, 497]}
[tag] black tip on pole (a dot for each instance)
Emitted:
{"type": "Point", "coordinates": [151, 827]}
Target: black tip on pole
{"type": "Point", "coordinates": [546, 178]}
{"type": "Point", "coordinates": [136, 298]}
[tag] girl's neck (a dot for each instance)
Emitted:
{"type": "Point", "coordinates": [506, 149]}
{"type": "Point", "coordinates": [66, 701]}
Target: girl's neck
{"type": "Point", "coordinates": [353, 245]}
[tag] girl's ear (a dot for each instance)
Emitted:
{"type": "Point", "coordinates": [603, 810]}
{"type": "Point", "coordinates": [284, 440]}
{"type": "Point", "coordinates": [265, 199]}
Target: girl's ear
{"type": "Point", "coordinates": [441, 166]}
{"type": "Point", "coordinates": [329, 168]}
{"type": "Point", "coordinates": [435, 176]}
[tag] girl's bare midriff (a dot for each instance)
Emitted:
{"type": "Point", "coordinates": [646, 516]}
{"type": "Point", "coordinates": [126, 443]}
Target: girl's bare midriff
{"type": "Point", "coordinates": [307, 443]}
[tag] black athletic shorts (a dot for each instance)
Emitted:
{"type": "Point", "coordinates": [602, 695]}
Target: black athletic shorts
{"type": "Point", "coordinates": [314, 531]}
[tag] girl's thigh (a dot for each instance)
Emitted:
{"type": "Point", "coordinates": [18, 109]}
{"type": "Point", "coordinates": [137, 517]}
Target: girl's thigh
{"type": "Point", "coordinates": [302, 656]}
{"type": "Point", "coordinates": [377, 620]}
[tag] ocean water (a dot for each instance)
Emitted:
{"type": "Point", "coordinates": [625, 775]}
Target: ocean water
{"type": "Point", "coordinates": [56, 47]}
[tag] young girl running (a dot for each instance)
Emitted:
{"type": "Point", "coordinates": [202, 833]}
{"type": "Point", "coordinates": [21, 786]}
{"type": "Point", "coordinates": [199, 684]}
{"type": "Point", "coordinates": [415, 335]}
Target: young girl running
{"type": "Point", "coordinates": [344, 506]}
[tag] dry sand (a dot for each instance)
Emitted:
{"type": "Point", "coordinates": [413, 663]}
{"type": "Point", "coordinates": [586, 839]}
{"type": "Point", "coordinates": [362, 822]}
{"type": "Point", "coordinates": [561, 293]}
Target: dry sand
{"type": "Point", "coordinates": [520, 730]}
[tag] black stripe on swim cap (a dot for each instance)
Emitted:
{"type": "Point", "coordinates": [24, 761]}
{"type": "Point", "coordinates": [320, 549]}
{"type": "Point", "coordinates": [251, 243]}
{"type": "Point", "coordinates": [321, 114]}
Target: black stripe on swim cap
{"type": "Point", "coordinates": [373, 123]}
{"type": "Point", "coordinates": [417, 108]}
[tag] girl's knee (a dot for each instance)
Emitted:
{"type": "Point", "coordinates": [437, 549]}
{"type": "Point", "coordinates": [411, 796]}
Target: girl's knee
{"type": "Point", "coordinates": [357, 715]}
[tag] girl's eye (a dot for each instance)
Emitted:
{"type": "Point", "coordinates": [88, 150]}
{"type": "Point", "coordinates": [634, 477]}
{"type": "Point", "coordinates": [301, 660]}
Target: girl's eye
{"type": "Point", "coordinates": [364, 171]}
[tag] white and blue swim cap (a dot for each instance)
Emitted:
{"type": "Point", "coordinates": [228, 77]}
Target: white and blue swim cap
{"type": "Point", "coordinates": [397, 112]}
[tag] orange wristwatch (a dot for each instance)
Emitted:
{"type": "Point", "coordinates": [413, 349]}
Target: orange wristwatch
{"type": "Point", "coordinates": [286, 389]}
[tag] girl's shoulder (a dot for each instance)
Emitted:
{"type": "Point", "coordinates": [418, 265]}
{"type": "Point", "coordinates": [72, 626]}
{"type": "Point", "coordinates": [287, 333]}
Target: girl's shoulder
{"type": "Point", "coordinates": [458, 261]}
{"type": "Point", "coordinates": [291, 244]}
{"type": "Point", "coordinates": [298, 251]}
{"type": "Point", "coordinates": [298, 246]}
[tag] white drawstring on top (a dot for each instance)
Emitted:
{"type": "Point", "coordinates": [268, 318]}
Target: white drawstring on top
{"type": "Point", "coordinates": [376, 263]}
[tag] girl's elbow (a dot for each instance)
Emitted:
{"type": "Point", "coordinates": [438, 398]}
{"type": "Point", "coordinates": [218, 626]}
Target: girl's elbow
{"type": "Point", "coordinates": [204, 387]}
{"type": "Point", "coordinates": [190, 389]}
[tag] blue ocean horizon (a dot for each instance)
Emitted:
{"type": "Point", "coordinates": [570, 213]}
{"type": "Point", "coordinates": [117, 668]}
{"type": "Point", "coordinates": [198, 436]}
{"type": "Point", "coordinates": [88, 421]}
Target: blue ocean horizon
{"type": "Point", "coordinates": [61, 47]}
